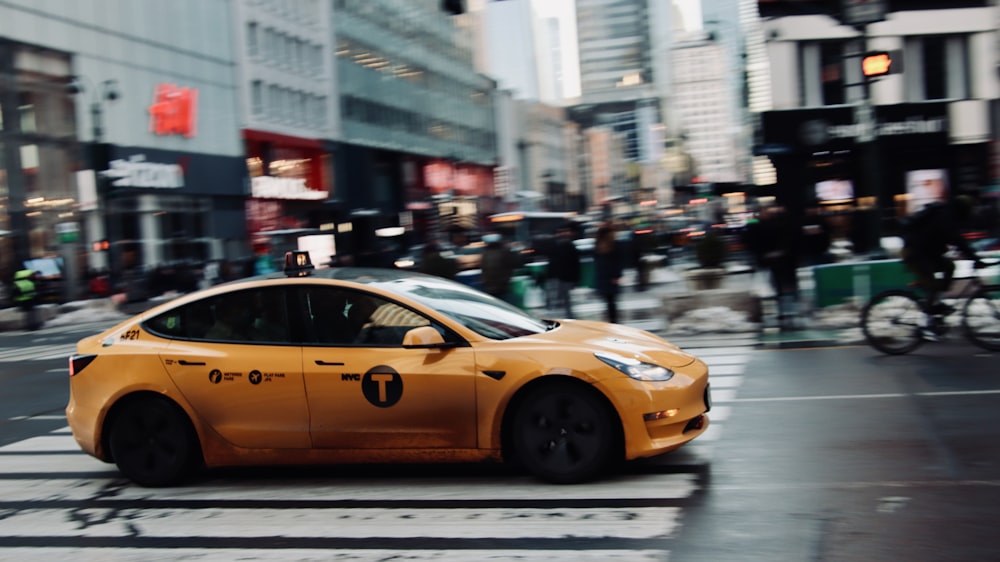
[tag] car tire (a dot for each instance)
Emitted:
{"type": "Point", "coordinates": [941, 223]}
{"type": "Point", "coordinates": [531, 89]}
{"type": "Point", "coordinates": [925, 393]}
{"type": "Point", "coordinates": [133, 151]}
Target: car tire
{"type": "Point", "coordinates": [152, 442]}
{"type": "Point", "coordinates": [565, 433]}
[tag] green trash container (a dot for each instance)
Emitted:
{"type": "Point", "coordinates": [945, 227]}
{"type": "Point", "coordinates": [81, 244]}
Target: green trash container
{"type": "Point", "coordinates": [587, 272]}
{"type": "Point", "coordinates": [518, 288]}
{"type": "Point", "coordinates": [536, 270]}
{"type": "Point", "coordinates": [836, 283]}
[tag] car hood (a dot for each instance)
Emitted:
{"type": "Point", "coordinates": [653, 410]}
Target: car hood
{"type": "Point", "coordinates": [600, 336]}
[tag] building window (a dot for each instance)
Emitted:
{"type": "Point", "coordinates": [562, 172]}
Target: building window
{"type": "Point", "coordinates": [257, 97]}
{"type": "Point", "coordinates": [252, 39]}
{"type": "Point", "coordinates": [824, 74]}
{"type": "Point", "coordinates": [273, 103]}
{"type": "Point", "coordinates": [832, 73]}
{"type": "Point", "coordinates": [937, 68]}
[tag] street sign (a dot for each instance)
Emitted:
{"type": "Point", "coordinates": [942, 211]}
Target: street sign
{"type": "Point", "coordinates": [862, 12]}
{"type": "Point", "coordinates": [68, 232]}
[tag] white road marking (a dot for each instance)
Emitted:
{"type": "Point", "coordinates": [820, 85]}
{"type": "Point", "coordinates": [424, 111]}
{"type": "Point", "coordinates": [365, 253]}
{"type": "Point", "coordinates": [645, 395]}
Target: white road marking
{"type": "Point", "coordinates": [323, 555]}
{"type": "Point", "coordinates": [37, 352]}
{"type": "Point", "coordinates": [864, 396]}
{"type": "Point", "coordinates": [351, 523]}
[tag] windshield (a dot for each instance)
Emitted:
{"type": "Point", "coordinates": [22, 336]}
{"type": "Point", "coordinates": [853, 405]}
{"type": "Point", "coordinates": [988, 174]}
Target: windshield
{"type": "Point", "coordinates": [482, 313]}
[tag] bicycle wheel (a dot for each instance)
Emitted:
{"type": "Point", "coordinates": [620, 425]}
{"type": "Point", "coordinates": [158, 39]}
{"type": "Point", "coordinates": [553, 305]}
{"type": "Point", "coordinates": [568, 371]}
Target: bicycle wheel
{"type": "Point", "coordinates": [893, 321]}
{"type": "Point", "coordinates": [981, 318]}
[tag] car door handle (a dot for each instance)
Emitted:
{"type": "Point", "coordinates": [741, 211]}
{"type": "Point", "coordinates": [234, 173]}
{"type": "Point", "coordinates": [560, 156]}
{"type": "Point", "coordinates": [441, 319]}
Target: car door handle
{"type": "Point", "coordinates": [331, 363]}
{"type": "Point", "coordinates": [185, 362]}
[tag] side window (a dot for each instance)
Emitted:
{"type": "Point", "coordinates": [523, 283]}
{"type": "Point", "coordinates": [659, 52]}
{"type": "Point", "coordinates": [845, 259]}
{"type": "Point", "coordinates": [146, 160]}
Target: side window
{"type": "Point", "coordinates": [269, 321]}
{"type": "Point", "coordinates": [353, 318]}
{"type": "Point", "coordinates": [387, 323]}
{"type": "Point", "coordinates": [232, 316]}
{"type": "Point", "coordinates": [251, 316]}
{"type": "Point", "coordinates": [188, 322]}
{"type": "Point", "coordinates": [327, 313]}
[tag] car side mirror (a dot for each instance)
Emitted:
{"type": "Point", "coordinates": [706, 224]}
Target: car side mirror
{"type": "Point", "coordinates": [423, 336]}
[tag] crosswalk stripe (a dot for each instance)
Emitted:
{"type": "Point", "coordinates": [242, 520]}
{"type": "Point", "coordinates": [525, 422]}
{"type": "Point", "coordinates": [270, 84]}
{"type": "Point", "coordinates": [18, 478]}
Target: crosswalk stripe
{"type": "Point", "coordinates": [721, 381]}
{"type": "Point", "coordinates": [352, 523]}
{"type": "Point", "coordinates": [281, 555]}
{"type": "Point", "coordinates": [37, 353]}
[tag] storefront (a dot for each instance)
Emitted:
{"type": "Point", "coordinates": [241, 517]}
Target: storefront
{"type": "Point", "coordinates": [824, 163]}
{"type": "Point", "coordinates": [38, 155]}
{"type": "Point", "coordinates": [163, 206]}
{"type": "Point", "coordinates": [291, 181]}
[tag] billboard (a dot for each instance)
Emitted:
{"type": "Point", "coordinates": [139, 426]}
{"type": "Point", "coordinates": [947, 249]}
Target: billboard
{"type": "Point", "coordinates": [924, 187]}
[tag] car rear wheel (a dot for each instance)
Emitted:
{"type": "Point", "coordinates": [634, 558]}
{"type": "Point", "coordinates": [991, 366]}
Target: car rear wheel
{"type": "Point", "coordinates": [565, 433]}
{"type": "Point", "coordinates": [152, 442]}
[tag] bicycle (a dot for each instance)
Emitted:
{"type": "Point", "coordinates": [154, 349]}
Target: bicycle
{"type": "Point", "coordinates": [898, 321]}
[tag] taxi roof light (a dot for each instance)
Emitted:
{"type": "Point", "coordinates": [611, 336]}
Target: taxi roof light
{"type": "Point", "coordinates": [298, 264]}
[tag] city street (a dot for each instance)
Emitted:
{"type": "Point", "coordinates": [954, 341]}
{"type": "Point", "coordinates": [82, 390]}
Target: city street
{"type": "Point", "coordinates": [832, 453]}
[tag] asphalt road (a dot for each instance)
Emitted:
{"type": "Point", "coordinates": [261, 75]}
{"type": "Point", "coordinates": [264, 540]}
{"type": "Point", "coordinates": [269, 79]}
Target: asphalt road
{"type": "Point", "coordinates": [842, 454]}
{"type": "Point", "coordinates": [826, 454]}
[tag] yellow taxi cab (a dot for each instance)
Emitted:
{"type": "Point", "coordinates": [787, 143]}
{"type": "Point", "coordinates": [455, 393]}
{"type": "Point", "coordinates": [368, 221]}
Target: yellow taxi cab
{"type": "Point", "coordinates": [352, 365]}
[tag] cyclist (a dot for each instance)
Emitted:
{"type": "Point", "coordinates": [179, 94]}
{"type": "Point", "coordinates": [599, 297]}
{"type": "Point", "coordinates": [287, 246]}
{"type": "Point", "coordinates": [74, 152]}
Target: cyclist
{"type": "Point", "coordinates": [927, 236]}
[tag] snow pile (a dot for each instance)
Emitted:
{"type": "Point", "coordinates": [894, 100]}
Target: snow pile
{"type": "Point", "coordinates": [714, 319]}
{"type": "Point", "coordinates": [836, 317]}
{"type": "Point", "coordinates": [76, 312]}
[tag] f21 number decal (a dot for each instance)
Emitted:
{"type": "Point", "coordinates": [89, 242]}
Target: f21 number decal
{"type": "Point", "coordinates": [132, 334]}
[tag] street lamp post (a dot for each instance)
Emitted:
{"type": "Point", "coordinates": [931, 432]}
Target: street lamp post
{"type": "Point", "coordinates": [106, 91]}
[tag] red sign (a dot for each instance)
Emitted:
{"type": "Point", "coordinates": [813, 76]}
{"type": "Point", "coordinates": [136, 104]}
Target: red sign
{"type": "Point", "coordinates": [174, 111]}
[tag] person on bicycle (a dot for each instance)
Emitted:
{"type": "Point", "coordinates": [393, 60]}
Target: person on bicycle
{"type": "Point", "coordinates": [928, 234]}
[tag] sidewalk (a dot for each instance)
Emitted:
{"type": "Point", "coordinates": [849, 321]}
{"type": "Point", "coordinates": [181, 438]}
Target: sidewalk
{"type": "Point", "coordinates": [719, 325]}
{"type": "Point", "coordinates": [706, 327]}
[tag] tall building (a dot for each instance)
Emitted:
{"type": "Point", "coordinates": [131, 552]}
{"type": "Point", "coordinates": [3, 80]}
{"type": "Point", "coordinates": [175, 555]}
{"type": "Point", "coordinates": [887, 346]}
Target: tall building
{"type": "Point", "coordinates": [757, 84]}
{"type": "Point", "coordinates": [418, 119]}
{"type": "Point", "coordinates": [523, 46]}
{"type": "Point", "coordinates": [134, 135]}
{"type": "Point", "coordinates": [882, 142]}
{"type": "Point", "coordinates": [526, 46]}
{"type": "Point", "coordinates": [708, 121]}
{"type": "Point", "coordinates": [120, 136]}
{"type": "Point", "coordinates": [624, 48]}
{"type": "Point", "coordinates": [624, 58]}
{"type": "Point", "coordinates": [289, 116]}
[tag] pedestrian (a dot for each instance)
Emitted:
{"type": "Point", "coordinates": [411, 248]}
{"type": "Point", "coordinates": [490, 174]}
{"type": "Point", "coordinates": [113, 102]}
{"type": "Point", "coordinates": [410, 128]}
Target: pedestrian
{"type": "Point", "coordinates": [25, 297]}
{"type": "Point", "coordinates": [564, 269]}
{"type": "Point", "coordinates": [432, 262]}
{"type": "Point", "coordinates": [779, 240]}
{"type": "Point", "coordinates": [497, 267]}
{"type": "Point", "coordinates": [608, 269]}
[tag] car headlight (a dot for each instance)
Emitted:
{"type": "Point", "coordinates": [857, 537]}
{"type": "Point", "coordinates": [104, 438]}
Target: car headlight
{"type": "Point", "coordinates": [635, 368]}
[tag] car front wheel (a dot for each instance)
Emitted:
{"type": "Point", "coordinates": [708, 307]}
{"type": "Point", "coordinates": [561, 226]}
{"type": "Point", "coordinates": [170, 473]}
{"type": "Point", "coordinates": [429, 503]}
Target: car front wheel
{"type": "Point", "coordinates": [565, 433]}
{"type": "Point", "coordinates": [152, 442]}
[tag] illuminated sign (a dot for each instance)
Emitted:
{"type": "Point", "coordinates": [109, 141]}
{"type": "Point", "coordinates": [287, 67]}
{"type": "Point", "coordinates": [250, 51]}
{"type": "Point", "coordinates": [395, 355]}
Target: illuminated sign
{"type": "Point", "coordinates": [136, 172]}
{"type": "Point", "coordinates": [270, 187]}
{"type": "Point", "coordinates": [174, 111]}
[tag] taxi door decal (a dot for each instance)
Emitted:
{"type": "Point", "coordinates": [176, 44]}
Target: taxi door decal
{"type": "Point", "coordinates": [382, 386]}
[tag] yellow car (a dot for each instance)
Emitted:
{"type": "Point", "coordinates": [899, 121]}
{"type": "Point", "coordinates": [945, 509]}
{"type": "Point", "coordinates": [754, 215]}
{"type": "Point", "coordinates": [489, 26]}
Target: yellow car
{"type": "Point", "coordinates": [346, 365]}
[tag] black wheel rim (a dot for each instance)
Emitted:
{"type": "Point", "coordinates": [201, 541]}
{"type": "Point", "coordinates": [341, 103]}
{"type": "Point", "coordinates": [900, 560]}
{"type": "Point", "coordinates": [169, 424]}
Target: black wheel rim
{"type": "Point", "coordinates": [150, 444]}
{"type": "Point", "coordinates": [561, 435]}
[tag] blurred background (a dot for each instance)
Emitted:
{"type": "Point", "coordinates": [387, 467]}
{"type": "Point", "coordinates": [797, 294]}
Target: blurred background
{"type": "Point", "coordinates": [148, 147]}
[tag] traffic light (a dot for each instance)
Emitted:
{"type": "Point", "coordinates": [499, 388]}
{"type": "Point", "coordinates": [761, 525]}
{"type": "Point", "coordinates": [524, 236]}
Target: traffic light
{"type": "Point", "coordinates": [101, 246]}
{"type": "Point", "coordinates": [881, 63]}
